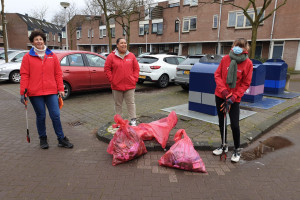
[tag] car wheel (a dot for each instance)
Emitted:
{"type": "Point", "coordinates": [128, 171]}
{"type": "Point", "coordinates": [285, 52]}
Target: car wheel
{"type": "Point", "coordinates": [140, 81]}
{"type": "Point", "coordinates": [15, 77]}
{"type": "Point", "coordinates": [163, 81]}
{"type": "Point", "coordinates": [185, 87]}
{"type": "Point", "coordinates": [67, 90]}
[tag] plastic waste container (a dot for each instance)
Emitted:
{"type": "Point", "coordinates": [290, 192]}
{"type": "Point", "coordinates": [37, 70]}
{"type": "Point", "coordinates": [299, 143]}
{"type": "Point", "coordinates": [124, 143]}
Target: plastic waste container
{"type": "Point", "coordinates": [276, 70]}
{"type": "Point", "coordinates": [202, 88]}
{"type": "Point", "coordinates": [256, 90]}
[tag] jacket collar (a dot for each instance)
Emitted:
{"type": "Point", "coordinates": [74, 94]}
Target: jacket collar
{"type": "Point", "coordinates": [33, 53]}
{"type": "Point", "coordinates": [118, 54]}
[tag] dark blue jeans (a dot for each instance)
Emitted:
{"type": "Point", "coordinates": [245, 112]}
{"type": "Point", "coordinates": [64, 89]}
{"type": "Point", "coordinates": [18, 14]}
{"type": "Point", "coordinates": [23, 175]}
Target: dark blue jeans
{"type": "Point", "coordinates": [38, 103]}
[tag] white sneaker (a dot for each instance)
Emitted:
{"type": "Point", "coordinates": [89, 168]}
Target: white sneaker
{"type": "Point", "coordinates": [133, 122]}
{"type": "Point", "coordinates": [219, 150]}
{"type": "Point", "coordinates": [236, 155]}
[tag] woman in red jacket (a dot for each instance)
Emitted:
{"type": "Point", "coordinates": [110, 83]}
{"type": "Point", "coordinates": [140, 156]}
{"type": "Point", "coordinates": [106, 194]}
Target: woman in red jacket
{"type": "Point", "coordinates": [233, 78]}
{"type": "Point", "coordinates": [41, 81]}
{"type": "Point", "coordinates": [122, 71]}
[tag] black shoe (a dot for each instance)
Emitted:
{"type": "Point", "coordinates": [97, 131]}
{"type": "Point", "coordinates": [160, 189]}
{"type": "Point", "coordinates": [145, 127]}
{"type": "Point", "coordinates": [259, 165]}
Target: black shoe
{"type": "Point", "coordinates": [44, 143]}
{"type": "Point", "coordinates": [64, 142]}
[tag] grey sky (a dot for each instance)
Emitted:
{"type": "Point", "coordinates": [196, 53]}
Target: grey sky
{"type": "Point", "coordinates": [25, 6]}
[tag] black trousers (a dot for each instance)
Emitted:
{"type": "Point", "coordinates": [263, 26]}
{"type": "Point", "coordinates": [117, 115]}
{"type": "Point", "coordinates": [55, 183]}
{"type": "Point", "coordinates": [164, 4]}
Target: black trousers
{"type": "Point", "coordinates": [234, 115]}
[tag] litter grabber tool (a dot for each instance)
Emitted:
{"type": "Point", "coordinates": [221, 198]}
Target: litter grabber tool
{"type": "Point", "coordinates": [225, 107]}
{"type": "Point", "coordinates": [26, 102]}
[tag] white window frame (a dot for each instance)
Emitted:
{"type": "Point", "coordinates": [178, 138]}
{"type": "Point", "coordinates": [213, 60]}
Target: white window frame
{"type": "Point", "coordinates": [63, 34]}
{"type": "Point", "coordinates": [190, 2]}
{"type": "Point", "coordinates": [188, 20]}
{"type": "Point", "coordinates": [78, 34]}
{"type": "Point", "coordinates": [215, 21]}
{"type": "Point", "coordinates": [234, 15]}
{"type": "Point", "coordinates": [102, 31]}
{"type": "Point", "coordinates": [58, 39]}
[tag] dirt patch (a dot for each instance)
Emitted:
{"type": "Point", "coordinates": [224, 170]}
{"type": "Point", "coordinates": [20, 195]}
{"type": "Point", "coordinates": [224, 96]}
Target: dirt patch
{"type": "Point", "coordinates": [269, 145]}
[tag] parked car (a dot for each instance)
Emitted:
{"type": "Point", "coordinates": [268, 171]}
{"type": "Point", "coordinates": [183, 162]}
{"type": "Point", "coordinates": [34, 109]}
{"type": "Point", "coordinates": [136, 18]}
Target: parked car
{"type": "Point", "coordinates": [11, 71]}
{"type": "Point", "coordinates": [182, 77]}
{"type": "Point", "coordinates": [183, 70]}
{"type": "Point", "coordinates": [104, 54]}
{"type": "Point", "coordinates": [82, 71]}
{"type": "Point", "coordinates": [160, 68]}
{"type": "Point", "coordinates": [12, 55]}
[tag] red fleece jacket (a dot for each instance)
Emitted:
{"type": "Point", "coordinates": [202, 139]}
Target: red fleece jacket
{"type": "Point", "coordinates": [244, 76]}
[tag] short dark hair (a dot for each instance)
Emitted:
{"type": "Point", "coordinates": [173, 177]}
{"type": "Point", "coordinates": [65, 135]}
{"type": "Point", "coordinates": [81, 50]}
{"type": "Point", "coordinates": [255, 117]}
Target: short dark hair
{"type": "Point", "coordinates": [118, 40]}
{"type": "Point", "coordinates": [37, 33]}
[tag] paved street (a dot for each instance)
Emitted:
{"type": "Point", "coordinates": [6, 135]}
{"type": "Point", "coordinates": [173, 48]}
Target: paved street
{"type": "Point", "coordinates": [86, 172]}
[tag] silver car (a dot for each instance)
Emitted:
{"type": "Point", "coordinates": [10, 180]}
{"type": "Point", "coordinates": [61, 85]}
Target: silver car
{"type": "Point", "coordinates": [12, 55]}
{"type": "Point", "coordinates": [11, 71]}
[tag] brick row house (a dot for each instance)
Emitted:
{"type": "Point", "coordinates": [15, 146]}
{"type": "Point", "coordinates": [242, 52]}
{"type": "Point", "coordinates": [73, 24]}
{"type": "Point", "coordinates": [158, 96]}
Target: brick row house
{"type": "Point", "coordinates": [199, 30]}
{"type": "Point", "coordinates": [19, 27]}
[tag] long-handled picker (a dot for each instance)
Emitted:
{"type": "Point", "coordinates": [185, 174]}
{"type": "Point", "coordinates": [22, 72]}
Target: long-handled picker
{"type": "Point", "coordinates": [225, 107]}
{"type": "Point", "coordinates": [26, 102]}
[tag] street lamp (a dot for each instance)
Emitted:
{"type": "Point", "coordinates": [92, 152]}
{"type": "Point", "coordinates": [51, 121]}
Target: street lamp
{"type": "Point", "coordinates": [179, 44]}
{"type": "Point", "coordinates": [65, 5]}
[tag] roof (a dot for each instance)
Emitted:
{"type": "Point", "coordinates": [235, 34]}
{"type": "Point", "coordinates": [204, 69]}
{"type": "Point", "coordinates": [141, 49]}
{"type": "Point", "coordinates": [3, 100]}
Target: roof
{"type": "Point", "coordinates": [33, 23]}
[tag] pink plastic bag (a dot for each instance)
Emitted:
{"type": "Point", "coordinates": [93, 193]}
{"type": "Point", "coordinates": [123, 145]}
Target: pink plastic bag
{"type": "Point", "coordinates": [182, 154]}
{"type": "Point", "coordinates": [159, 129]}
{"type": "Point", "coordinates": [126, 144]}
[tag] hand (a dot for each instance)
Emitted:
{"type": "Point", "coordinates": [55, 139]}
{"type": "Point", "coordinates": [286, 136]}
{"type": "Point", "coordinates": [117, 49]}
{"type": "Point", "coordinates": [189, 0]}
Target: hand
{"type": "Point", "coordinates": [61, 93]}
{"type": "Point", "coordinates": [231, 100]}
{"type": "Point", "coordinates": [23, 100]}
{"type": "Point", "coordinates": [224, 93]}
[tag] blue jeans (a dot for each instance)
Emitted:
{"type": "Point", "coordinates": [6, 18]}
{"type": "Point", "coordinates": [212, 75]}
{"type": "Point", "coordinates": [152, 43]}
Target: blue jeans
{"type": "Point", "coordinates": [38, 103]}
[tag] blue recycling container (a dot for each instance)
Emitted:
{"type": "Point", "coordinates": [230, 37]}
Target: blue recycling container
{"type": "Point", "coordinates": [202, 88]}
{"type": "Point", "coordinates": [276, 70]}
{"type": "Point", "coordinates": [256, 90]}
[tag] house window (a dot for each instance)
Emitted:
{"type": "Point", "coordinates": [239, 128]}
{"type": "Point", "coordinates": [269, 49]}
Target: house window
{"type": "Point", "coordinates": [58, 39]}
{"type": "Point", "coordinates": [78, 34]}
{"type": "Point", "coordinates": [112, 32]}
{"type": "Point", "coordinates": [53, 37]}
{"type": "Point", "coordinates": [63, 34]}
{"type": "Point", "coordinates": [176, 25]}
{"type": "Point", "coordinates": [90, 33]}
{"type": "Point", "coordinates": [174, 3]}
{"type": "Point", "coordinates": [215, 21]}
{"type": "Point", "coordinates": [143, 27]}
{"type": "Point", "coordinates": [189, 24]}
{"type": "Point", "coordinates": [157, 28]}
{"type": "Point", "coordinates": [102, 31]}
{"type": "Point", "coordinates": [47, 37]}
{"type": "Point", "coordinates": [238, 20]}
{"type": "Point", "coordinates": [190, 2]}
{"type": "Point", "coordinates": [141, 32]}
{"type": "Point", "coordinates": [277, 50]}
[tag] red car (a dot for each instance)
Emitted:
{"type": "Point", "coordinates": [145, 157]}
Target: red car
{"type": "Point", "coordinates": [82, 71]}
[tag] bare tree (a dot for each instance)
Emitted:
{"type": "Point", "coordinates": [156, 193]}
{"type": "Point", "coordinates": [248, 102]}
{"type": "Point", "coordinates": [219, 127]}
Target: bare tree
{"type": "Point", "coordinates": [92, 8]}
{"type": "Point", "coordinates": [39, 12]}
{"type": "Point", "coordinates": [4, 30]}
{"type": "Point", "coordinates": [59, 17]}
{"type": "Point", "coordinates": [259, 15]}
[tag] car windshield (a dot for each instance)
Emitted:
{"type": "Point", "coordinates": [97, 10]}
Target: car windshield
{"type": "Point", "coordinates": [190, 61]}
{"type": "Point", "coordinates": [147, 60]}
{"type": "Point", "coordinates": [2, 55]}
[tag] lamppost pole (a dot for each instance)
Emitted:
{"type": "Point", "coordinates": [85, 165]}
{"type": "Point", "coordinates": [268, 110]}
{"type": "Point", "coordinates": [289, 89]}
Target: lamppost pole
{"type": "Point", "coordinates": [65, 5]}
{"type": "Point", "coordinates": [146, 41]}
{"type": "Point", "coordinates": [179, 44]}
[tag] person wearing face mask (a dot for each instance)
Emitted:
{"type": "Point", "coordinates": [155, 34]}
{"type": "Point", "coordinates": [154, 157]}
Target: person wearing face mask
{"type": "Point", "coordinates": [122, 71]}
{"type": "Point", "coordinates": [233, 78]}
{"type": "Point", "coordinates": [42, 81]}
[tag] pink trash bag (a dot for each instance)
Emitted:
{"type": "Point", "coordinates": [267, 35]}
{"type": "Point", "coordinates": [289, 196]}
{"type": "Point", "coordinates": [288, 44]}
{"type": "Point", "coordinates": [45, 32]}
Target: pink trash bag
{"type": "Point", "coordinates": [126, 144]}
{"type": "Point", "coordinates": [159, 129]}
{"type": "Point", "coordinates": [182, 154]}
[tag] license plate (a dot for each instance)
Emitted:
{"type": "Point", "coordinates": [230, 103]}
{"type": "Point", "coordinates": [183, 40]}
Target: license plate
{"type": "Point", "coordinates": [143, 77]}
{"type": "Point", "coordinates": [186, 72]}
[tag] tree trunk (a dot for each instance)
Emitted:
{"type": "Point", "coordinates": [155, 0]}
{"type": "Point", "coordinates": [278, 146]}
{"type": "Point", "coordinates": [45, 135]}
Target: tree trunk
{"type": "Point", "coordinates": [4, 31]}
{"type": "Point", "coordinates": [253, 41]}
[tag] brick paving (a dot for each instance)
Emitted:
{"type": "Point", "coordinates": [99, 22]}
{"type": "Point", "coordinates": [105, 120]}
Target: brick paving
{"type": "Point", "coordinates": [86, 172]}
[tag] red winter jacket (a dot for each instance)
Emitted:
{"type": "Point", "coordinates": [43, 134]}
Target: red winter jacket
{"type": "Point", "coordinates": [123, 74]}
{"type": "Point", "coordinates": [244, 76]}
{"type": "Point", "coordinates": [41, 77]}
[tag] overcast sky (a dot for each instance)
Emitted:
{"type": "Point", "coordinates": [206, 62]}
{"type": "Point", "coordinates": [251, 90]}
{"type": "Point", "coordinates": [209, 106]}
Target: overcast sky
{"type": "Point", "coordinates": [25, 6]}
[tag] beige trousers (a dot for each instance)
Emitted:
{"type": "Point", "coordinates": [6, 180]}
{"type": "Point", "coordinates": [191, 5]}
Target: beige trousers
{"type": "Point", "coordinates": [128, 96]}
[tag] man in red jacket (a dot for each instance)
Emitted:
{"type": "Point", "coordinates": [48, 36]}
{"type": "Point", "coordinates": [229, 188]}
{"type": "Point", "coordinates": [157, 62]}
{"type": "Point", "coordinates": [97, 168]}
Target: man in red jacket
{"type": "Point", "coordinates": [233, 78]}
{"type": "Point", "coordinates": [122, 71]}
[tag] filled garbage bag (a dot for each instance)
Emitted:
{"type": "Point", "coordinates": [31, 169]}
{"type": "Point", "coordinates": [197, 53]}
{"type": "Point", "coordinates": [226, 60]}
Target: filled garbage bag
{"type": "Point", "coordinates": [159, 129]}
{"type": "Point", "coordinates": [126, 144]}
{"type": "Point", "coordinates": [182, 154]}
